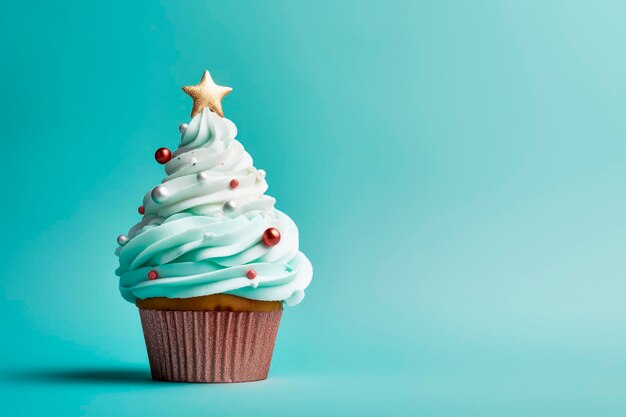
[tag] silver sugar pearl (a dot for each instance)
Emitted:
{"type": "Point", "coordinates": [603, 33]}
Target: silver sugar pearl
{"type": "Point", "coordinates": [183, 128]}
{"type": "Point", "coordinates": [193, 161]}
{"type": "Point", "coordinates": [122, 240]}
{"type": "Point", "coordinates": [160, 194]}
{"type": "Point", "coordinates": [202, 177]}
{"type": "Point", "coordinates": [230, 205]}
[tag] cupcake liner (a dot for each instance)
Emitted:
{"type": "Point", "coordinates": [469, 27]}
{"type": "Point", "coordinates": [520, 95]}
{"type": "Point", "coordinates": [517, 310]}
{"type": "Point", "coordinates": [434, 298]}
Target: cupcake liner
{"type": "Point", "coordinates": [209, 346]}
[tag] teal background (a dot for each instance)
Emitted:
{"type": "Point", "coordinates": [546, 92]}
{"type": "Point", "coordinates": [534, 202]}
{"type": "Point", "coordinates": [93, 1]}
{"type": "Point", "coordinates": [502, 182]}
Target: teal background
{"type": "Point", "coordinates": [456, 170]}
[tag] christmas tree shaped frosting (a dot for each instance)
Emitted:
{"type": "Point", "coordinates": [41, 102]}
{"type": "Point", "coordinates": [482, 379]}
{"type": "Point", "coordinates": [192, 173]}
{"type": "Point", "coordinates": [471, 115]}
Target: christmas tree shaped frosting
{"type": "Point", "coordinates": [209, 227]}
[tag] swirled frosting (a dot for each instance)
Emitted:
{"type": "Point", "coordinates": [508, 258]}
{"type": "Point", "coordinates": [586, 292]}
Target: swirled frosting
{"type": "Point", "coordinates": [201, 232]}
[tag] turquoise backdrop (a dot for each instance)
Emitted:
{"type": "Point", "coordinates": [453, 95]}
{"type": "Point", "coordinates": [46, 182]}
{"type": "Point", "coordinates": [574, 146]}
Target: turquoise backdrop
{"type": "Point", "coordinates": [456, 170]}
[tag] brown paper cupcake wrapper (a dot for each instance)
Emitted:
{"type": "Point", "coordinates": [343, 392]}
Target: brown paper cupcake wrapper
{"type": "Point", "coordinates": [209, 346]}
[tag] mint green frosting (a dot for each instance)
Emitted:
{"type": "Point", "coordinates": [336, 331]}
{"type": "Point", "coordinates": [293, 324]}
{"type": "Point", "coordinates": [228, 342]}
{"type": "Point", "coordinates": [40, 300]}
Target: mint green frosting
{"type": "Point", "coordinates": [201, 236]}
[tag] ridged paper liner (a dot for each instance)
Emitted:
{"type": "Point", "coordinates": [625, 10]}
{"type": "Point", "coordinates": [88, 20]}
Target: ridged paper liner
{"type": "Point", "coordinates": [209, 346]}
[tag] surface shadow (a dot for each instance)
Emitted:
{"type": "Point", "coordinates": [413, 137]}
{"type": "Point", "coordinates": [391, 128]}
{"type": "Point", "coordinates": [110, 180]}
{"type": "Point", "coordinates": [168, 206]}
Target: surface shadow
{"type": "Point", "coordinates": [109, 376]}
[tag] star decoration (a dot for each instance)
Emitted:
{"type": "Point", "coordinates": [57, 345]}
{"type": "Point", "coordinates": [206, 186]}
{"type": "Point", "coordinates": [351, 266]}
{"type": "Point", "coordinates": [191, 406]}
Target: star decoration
{"type": "Point", "coordinates": [207, 94]}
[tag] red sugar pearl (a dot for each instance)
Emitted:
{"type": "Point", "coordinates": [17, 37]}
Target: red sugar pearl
{"type": "Point", "coordinates": [234, 183]}
{"type": "Point", "coordinates": [251, 274]}
{"type": "Point", "coordinates": [152, 275]}
{"type": "Point", "coordinates": [141, 209]}
{"type": "Point", "coordinates": [163, 155]}
{"type": "Point", "coordinates": [271, 237]}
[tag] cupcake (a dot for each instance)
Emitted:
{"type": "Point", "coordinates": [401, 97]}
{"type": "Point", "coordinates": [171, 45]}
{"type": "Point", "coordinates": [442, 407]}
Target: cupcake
{"type": "Point", "coordinates": [212, 262]}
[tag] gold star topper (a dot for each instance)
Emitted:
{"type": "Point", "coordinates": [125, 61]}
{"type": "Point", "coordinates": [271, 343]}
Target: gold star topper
{"type": "Point", "coordinates": [207, 94]}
